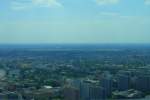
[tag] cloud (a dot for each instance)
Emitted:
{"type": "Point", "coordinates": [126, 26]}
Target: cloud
{"type": "Point", "coordinates": [46, 3]}
{"type": "Point", "coordinates": [107, 2]}
{"type": "Point", "coordinates": [147, 2]}
{"type": "Point", "coordinates": [15, 5]}
{"type": "Point", "coordinates": [118, 15]}
{"type": "Point", "coordinates": [28, 4]}
{"type": "Point", "coordinates": [109, 14]}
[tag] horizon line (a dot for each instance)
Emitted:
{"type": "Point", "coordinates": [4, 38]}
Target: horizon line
{"type": "Point", "coordinates": [140, 43]}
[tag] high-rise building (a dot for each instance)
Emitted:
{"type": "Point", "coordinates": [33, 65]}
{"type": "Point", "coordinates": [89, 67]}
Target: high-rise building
{"type": "Point", "coordinates": [107, 83]}
{"type": "Point", "coordinates": [70, 93]}
{"type": "Point", "coordinates": [89, 90]}
{"type": "Point", "coordinates": [142, 83]}
{"type": "Point", "coordinates": [123, 80]}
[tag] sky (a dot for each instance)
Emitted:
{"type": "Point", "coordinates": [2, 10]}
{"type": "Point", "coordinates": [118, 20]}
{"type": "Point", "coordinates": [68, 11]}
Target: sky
{"type": "Point", "coordinates": [75, 21]}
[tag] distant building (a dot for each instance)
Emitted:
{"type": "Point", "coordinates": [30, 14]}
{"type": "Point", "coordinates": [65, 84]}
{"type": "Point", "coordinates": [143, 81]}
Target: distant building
{"type": "Point", "coordinates": [123, 80]}
{"type": "Point", "coordinates": [97, 93]}
{"type": "Point", "coordinates": [107, 83]}
{"type": "Point", "coordinates": [2, 74]}
{"type": "Point", "coordinates": [14, 73]}
{"type": "Point", "coordinates": [45, 93]}
{"type": "Point", "coordinates": [70, 93]}
{"type": "Point", "coordinates": [92, 92]}
{"type": "Point", "coordinates": [89, 89]}
{"type": "Point", "coordinates": [128, 94]}
{"type": "Point", "coordinates": [142, 83]}
{"type": "Point", "coordinates": [141, 80]}
{"type": "Point", "coordinates": [10, 96]}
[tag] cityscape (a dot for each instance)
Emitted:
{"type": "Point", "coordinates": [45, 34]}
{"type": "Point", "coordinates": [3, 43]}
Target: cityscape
{"type": "Point", "coordinates": [74, 49]}
{"type": "Point", "coordinates": [75, 72]}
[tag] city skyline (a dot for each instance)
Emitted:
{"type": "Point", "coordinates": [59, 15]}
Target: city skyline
{"type": "Point", "coordinates": [79, 21]}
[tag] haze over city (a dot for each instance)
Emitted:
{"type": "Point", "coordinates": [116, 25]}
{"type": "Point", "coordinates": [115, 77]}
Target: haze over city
{"type": "Point", "coordinates": [74, 21]}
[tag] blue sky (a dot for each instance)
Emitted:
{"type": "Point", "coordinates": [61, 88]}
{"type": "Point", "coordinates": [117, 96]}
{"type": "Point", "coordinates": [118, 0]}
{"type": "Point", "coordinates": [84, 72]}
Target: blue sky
{"type": "Point", "coordinates": [75, 21]}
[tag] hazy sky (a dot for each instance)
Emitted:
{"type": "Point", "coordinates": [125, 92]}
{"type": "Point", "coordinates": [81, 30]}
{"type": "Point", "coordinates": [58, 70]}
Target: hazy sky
{"type": "Point", "coordinates": [75, 21]}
